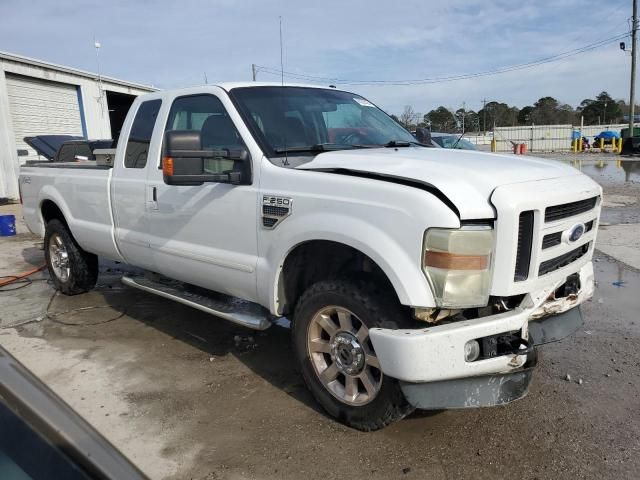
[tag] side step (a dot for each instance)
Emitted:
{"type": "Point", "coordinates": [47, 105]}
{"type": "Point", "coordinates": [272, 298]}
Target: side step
{"type": "Point", "coordinates": [238, 311]}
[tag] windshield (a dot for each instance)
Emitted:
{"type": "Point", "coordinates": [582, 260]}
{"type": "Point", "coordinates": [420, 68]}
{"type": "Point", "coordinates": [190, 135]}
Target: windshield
{"type": "Point", "coordinates": [448, 141]}
{"type": "Point", "coordinates": [288, 119]}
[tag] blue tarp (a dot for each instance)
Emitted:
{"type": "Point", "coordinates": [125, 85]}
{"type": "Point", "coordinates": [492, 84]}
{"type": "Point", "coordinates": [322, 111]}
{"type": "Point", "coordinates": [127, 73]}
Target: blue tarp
{"type": "Point", "coordinates": [608, 135]}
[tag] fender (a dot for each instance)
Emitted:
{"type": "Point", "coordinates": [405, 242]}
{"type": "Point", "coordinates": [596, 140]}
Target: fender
{"type": "Point", "coordinates": [49, 193]}
{"type": "Point", "coordinates": [402, 267]}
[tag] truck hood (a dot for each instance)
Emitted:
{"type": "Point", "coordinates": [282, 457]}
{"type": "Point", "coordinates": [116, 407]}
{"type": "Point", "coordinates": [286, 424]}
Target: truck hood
{"type": "Point", "coordinates": [466, 178]}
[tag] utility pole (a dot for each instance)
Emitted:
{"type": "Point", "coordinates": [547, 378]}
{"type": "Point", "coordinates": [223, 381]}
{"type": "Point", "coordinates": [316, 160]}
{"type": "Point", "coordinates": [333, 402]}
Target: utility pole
{"type": "Point", "coordinates": [253, 70]}
{"type": "Point", "coordinates": [464, 113]}
{"type": "Point", "coordinates": [632, 90]}
{"type": "Point", "coordinates": [484, 115]}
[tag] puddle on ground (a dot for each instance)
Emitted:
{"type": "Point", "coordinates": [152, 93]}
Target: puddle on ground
{"type": "Point", "coordinates": [612, 173]}
{"type": "Point", "coordinates": [617, 289]}
{"type": "Point", "coordinates": [608, 172]}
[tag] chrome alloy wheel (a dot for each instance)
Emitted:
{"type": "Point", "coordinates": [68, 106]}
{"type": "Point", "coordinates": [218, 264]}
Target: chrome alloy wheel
{"type": "Point", "coordinates": [59, 258]}
{"type": "Point", "coordinates": [342, 356]}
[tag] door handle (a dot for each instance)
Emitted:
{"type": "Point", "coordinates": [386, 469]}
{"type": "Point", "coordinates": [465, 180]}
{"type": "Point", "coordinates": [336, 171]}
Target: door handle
{"type": "Point", "coordinates": [152, 198]}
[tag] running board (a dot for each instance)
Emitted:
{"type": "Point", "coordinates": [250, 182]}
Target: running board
{"type": "Point", "coordinates": [235, 310]}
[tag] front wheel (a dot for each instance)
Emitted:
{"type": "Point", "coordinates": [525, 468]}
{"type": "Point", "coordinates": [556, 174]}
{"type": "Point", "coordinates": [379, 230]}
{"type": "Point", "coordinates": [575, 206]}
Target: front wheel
{"type": "Point", "coordinates": [337, 359]}
{"type": "Point", "coordinates": [72, 270]}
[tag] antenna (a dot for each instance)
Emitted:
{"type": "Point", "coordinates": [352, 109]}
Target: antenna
{"type": "Point", "coordinates": [281, 61]}
{"type": "Point", "coordinates": [97, 46]}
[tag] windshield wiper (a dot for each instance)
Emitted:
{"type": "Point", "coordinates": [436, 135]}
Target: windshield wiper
{"type": "Point", "coordinates": [458, 140]}
{"type": "Point", "coordinates": [320, 147]}
{"type": "Point", "coordinates": [401, 143]}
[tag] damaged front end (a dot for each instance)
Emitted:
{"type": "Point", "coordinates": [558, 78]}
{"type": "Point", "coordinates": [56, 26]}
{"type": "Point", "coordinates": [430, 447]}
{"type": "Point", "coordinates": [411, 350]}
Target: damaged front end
{"type": "Point", "coordinates": [481, 357]}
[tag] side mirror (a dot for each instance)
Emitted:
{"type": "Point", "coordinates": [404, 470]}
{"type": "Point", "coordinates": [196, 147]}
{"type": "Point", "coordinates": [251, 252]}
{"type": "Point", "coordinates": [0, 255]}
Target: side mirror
{"type": "Point", "coordinates": [183, 162]}
{"type": "Point", "coordinates": [424, 136]}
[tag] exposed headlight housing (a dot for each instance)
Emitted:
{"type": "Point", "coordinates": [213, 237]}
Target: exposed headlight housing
{"type": "Point", "coordinates": [458, 265]}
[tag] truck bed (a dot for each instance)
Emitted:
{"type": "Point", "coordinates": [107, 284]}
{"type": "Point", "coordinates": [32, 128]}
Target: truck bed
{"type": "Point", "coordinates": [82, 191]}
{"type": "Point", "coordinates": [89, 165]}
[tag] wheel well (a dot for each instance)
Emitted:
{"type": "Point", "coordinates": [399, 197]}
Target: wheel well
{"type": "Point", "coordinates": [317, 260]}
{"type": "Point", "coordinates": [51, 211]}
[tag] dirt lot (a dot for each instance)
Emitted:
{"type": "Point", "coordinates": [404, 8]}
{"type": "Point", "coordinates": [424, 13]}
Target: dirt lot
{"type": "Point", "coordinates": [186, 395]}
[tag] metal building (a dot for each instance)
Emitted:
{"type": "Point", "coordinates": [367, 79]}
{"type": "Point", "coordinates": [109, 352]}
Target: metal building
{"type": "Point", "coordinates": [39, 98]}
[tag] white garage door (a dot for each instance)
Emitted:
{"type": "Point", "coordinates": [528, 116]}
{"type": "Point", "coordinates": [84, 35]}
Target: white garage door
{"type": "Point", "coordinates": [40, 107]}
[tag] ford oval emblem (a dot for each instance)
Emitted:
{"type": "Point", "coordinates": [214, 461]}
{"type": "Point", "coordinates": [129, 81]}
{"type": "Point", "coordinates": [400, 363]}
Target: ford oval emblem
{"type": "Point", "coordinates": [576, 232]}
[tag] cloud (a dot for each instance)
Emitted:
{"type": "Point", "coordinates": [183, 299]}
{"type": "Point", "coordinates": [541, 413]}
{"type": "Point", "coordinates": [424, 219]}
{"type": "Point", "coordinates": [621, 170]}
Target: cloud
{"type": "Point", "coordinates": [171, 44]}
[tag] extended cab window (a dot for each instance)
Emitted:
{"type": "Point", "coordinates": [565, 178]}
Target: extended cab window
{"type": "Point", "coordinates": [206, 114]}
{"type": "Point", "coordinates": [66, 153]}
{"type": "Point", "coordinates": [140, 137]}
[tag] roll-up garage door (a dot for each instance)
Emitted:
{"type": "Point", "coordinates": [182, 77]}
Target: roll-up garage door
{"type": "Point", "coordinates": [41, 107]}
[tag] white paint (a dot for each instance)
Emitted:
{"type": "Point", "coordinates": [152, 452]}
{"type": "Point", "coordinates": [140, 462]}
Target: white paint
{"type": "Point", "coordinates": [219, 223]}
{"type": "Point", "coordinates": [437, 353]}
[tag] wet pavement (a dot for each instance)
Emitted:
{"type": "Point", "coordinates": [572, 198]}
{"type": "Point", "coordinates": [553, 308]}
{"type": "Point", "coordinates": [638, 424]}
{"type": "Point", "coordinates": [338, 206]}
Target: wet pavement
{"type": "Point", "coordinates": [186, 395]}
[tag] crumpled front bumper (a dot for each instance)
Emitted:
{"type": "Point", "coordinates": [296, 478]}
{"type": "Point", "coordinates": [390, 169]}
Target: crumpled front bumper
{"type": "Point", "coordinates": [436, 354]}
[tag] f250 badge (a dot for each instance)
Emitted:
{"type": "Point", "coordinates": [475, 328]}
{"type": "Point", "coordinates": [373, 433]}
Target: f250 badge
{"type": "Point", "coordinates": [274, 210]}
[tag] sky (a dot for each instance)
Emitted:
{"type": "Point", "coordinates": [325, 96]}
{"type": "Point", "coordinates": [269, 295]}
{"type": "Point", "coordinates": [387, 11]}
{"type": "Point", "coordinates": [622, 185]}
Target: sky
{"type": "Point", "coordinates": [171, 44]}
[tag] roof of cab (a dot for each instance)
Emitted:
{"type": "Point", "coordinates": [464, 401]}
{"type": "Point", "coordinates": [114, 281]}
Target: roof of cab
{"type": "Point", "coordinates": [231, 85]}
{"type": "Point", "coordinates": [226, 86]}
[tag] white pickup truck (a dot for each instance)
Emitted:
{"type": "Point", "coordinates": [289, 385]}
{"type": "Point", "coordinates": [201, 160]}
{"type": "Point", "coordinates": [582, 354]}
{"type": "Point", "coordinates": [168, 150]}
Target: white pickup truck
{"type": "Point", "coordinates": [414, 277]}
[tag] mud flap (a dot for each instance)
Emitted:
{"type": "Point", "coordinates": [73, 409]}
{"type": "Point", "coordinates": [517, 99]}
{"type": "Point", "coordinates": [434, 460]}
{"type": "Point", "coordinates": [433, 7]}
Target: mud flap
{"type": "Point", "coordinates": [555, 327]}
{"type": "Point", "coordinates": [471, 392]}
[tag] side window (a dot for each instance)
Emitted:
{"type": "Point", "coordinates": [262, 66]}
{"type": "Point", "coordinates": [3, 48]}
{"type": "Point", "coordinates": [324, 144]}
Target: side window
{"type": "Point", "coordinates": [140, 135]}
{"type": "Point", "coordinates": [206, 114]}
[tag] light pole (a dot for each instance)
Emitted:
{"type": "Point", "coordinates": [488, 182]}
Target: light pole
{"type": "Point", "coordinates": [632, 89]}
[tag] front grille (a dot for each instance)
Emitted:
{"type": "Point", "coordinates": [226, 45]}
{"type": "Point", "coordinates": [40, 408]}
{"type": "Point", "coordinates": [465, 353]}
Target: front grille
{"type": "Point", "coordinates": [557, 212]}
{"type": "Point", "coordinates": [556, 263]}
{"type": "Point", "coordinates": [523, 253]}
{"type": "Point", "coordinates": [588, 226]}
{"type": "Point", "coordinates": [553, 239]}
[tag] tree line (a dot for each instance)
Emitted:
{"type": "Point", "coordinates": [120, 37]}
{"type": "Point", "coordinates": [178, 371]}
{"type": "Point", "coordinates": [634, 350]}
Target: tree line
{"type": "Point", "coordinates": [546, 111]}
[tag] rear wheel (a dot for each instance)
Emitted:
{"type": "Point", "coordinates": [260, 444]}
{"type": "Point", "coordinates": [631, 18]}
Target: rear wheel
{"type": "Point", "coordinates": [72, 270]}
{"type": "Point", "coordinates": [337, 359]}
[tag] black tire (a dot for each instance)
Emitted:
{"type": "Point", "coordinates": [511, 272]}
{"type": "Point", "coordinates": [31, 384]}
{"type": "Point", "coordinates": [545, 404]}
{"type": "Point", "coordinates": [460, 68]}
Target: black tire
{"type": "Point", "coordinates": [372, 307]}
{"type": "Point", "coordinates": [83, 266]}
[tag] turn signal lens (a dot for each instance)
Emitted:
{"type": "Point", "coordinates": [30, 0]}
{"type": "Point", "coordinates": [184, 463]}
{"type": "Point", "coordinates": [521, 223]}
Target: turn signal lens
{"type": "Point", "coordinates": [167, 166]}
{"type": "Point", "coordinates": [457, 264]}
{"type": "Point", "coordinates": [452, 261]}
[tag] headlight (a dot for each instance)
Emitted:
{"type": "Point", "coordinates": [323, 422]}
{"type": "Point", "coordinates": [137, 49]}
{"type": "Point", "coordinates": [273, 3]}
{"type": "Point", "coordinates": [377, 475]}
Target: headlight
{"type": "Point", "coordinates": [457, 264]}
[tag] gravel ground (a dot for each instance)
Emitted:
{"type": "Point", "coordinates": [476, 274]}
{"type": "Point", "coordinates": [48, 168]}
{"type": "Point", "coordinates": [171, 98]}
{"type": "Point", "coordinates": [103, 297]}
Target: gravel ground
{"type": "Point", "coordinates": [186, 395]}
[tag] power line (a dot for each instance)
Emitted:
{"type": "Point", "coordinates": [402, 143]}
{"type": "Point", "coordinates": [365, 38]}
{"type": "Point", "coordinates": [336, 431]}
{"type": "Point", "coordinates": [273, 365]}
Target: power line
{"type": "Point", "coordinates": [449, 78]}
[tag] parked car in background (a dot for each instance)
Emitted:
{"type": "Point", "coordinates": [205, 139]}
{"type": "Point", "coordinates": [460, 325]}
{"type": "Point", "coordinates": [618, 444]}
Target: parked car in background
{"type": "Point", "coordinates": [66, 148]}
{"type": "Point", "coordinates": [452, 140]}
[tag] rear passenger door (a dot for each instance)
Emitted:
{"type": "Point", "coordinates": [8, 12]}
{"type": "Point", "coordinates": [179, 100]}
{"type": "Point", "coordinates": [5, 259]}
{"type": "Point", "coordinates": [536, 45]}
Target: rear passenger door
{"type": "Point", "coordinates": [206, 234]}
{"type": "Point", "coordinates": [130, 198]}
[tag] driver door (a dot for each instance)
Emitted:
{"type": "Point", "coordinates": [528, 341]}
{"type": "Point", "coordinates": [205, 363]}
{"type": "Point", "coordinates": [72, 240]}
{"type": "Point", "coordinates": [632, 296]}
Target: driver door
{"type": "Point", "coordinates": [206, 234]}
